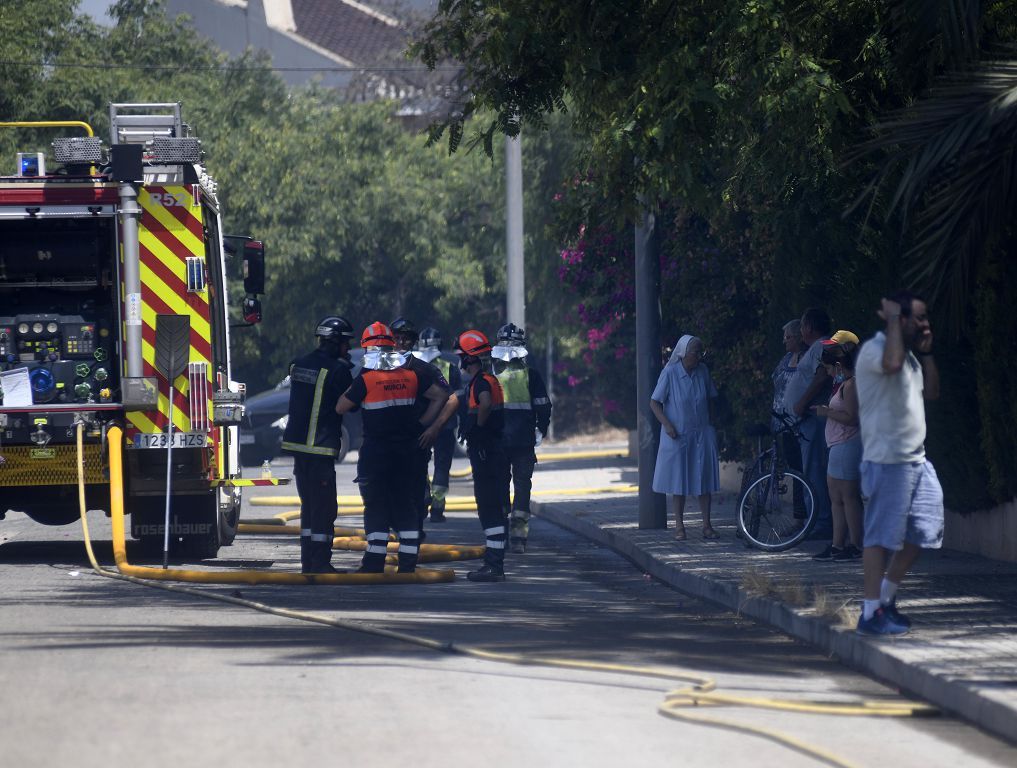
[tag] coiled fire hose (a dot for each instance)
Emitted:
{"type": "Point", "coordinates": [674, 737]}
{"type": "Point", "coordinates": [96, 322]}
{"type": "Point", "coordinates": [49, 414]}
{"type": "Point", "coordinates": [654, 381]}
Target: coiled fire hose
{"type": "Point", "coordinates": [420, 576]}
{"type": "Point", "coordinates": [699, 691]}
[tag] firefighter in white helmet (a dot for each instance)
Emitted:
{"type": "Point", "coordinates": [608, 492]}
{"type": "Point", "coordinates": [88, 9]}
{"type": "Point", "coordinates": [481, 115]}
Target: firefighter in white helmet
{"type": "Point", "coordinates": [527, 418]}
{"type": "Point", "coordinates": [428, 349]}
{"type": "Point", "coordinates": [406, 338]}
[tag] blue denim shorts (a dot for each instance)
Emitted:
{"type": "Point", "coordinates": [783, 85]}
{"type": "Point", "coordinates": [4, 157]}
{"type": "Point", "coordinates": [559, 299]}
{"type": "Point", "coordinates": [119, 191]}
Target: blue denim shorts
{"type": "Point", "coordinates": [903, 503]}
{"type": "Point", "coordinates": [845, 459]}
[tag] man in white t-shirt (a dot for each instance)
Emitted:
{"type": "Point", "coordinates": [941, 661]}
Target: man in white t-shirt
{"type": "Point", "coordinates": [895, 373]}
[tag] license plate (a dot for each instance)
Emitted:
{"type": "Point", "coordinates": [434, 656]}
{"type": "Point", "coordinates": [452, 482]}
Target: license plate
{"type": "Point", "coordinates": [247, 439]}
{"type": "Point", "coordinates": [180, 440]}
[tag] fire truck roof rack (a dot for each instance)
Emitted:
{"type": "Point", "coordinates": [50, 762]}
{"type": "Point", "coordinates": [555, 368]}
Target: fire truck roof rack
{"type": "Point", "coordinates": [142, 123]}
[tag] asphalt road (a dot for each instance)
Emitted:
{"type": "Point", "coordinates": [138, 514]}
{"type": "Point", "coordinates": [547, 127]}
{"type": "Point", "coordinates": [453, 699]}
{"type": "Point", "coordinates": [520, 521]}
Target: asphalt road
{"type": "Point", "coordinates": [95, 671]}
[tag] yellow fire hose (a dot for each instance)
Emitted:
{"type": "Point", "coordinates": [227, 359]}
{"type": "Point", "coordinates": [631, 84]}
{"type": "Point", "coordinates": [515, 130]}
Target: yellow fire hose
{"type": "Point", "coordinates": [453, 503]}
{"type": "Point", "coordinates": [421, 576]}
{"type": "Point", "coordinates": [280, 529]}
{"type": "Point", "coordinates": [699, 691]}
{"type": "Point", "coordinates": [352, 540]}
{"type": "Point", "coordinates": [549, 457]}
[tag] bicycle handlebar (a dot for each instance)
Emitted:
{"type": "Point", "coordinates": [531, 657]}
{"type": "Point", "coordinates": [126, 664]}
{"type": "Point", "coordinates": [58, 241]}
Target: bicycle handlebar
{"type": "Point", "coordinates": [789, 424]}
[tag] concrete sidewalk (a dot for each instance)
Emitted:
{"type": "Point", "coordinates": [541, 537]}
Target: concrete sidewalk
{"type": "Point", "coordinates": [961, 654]}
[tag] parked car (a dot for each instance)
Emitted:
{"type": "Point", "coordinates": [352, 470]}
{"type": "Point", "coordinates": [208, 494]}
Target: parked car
{"type": "Point", "coordinates": [265, 417]}
{"type": "Point", "coordinates": [266, 413]}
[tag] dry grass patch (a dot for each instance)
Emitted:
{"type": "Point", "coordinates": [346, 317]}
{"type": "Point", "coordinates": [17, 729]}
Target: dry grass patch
{"type": "Point", "coordinates": [795, 593]}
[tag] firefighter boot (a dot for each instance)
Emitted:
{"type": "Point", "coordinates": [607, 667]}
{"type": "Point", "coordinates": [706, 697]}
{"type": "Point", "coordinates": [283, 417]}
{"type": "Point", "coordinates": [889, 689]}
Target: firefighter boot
{"type": "Point", "coordinates": [372, 563]}
{"type": "Point", "coordinates": [438, 503]}
{"type": "Point", "coordinates": [493, 568]}
{"type": "Point", "coordinates": [320, 559]}
{"type": "Point", "coordinates": [408, 549]}
{"type": "Point", "coordinates": [519, 530]}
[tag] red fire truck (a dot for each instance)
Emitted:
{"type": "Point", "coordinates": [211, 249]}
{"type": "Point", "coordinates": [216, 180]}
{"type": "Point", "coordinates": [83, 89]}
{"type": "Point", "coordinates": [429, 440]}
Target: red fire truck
{"type": "Point", "coordinates": [114, 309]}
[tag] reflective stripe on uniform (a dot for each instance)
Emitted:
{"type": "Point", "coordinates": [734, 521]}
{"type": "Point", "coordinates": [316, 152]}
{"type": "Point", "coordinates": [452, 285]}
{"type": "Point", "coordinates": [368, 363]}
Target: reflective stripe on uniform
{"type": "Point", "coordinates": [409, 534]}
{"type": "Point", "coordinates": [319, 389]}
{"type": "Point", "coordinates": [305, 531]}
{"type": "Point", "coordinates": [302, 448]}
{"type": "Point", "coordinates": [494, 531]}
{"type": "Point", "coordinates": [515, 384]}
{"type": "Point", "coordinates": [541, 401]}
{"type": "Point", "coordinates": [377, 549]}
{"type": "Point", "coordinates": [377, 536]}
{"type": "Point", "coordinates": [386, 403]}
{"type": "Point", "coordinates": [444, 366]}
{"type": "Point", "coordinates": [320, 537]}
{"type": "Point", "coordinates": [408, 549]}
{"type": "Point", "coordinates": [496, 544]}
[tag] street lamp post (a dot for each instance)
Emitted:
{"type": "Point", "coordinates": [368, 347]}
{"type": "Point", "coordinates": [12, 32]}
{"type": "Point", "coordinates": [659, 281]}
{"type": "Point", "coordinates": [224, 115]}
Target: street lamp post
{"type": "Point", "coordinates": [515, 280]}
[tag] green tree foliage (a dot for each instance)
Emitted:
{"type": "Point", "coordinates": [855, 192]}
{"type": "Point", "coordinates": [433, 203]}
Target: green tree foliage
{"type": "Point", "coordinates": [733, 120]}
{"type": "Point", "coordinates": [362, 219]}
{"type": "Point", "coordinates": [359, 216]}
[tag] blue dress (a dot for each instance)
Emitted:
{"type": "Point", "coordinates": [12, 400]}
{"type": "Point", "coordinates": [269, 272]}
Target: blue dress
{"type": "Point", "coordinates": [688, 465]}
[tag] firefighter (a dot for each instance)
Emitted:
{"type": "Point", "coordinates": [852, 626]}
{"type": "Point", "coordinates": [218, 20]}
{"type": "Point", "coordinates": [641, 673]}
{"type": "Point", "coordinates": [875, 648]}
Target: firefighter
{"type": "Point", "coordinates": [527, 418]}
{"type": "Point", "coordinates": [482, 429]}
{"type": "Point", "coordinates": [387, 390]}
{"type": "Point", "coordinates": [312, 435]}
{"type": "Point", "coordinates": [428, 349]}
{"type": "Point", "coordinates": [406, 337]}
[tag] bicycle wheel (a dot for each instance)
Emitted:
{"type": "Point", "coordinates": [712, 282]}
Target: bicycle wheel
{"type": "Point", "coordinates": [768, 515]}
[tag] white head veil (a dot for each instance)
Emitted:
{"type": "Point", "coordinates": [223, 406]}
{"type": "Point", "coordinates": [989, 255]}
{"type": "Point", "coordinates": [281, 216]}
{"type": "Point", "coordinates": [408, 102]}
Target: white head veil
{"type": "Point", "coordinates": [681, 347]}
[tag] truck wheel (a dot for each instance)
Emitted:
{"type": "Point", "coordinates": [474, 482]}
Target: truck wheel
{"type": "Point", "coordinates": [203, 546]}
{"type": "Point", "coordinates": [230, 518]}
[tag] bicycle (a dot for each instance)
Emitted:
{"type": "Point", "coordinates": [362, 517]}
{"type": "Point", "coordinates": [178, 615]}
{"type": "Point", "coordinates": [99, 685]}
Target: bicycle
{"type": "Point", "coordinates": [776, 509]}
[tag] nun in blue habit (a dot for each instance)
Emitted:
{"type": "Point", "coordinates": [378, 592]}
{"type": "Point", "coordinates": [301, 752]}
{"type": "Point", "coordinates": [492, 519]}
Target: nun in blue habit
{"type": "Point", "coordinates": [687, 460]}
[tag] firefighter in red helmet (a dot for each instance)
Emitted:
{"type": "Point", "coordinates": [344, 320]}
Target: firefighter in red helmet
{"type": "Point", "coordinates": [386, 390]}
{"type": "Point", "coordinates": [482, 429]}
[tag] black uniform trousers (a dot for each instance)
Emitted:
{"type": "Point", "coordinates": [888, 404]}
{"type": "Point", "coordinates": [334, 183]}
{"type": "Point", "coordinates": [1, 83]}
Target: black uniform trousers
{"type": "Point", "coordinates": [315, 476]}
{"type": "Point", "coordinates": [421, 485]}
{"type": "Point", "coordinates": [385, 474]}
{"type": "Point", "coordinates": [444, 450]}
{"type": "Point", "coordinates": [490, 488]}
{"type": "Point", "coordinates": [521, 461]}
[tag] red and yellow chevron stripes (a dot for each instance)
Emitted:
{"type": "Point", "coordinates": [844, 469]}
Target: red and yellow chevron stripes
{"type": "Point", "coordinates": [171, 231]}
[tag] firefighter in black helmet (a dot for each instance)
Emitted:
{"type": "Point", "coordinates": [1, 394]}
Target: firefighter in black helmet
{"type": "Point", "coordinates": [312, 435]}
{"type": "Point", "coordinates": [428, 349]}
{"type": "Point", "coordinates": [482, 430]}
{"type": "Point", "coordinates": [527, 418]}
{"type": "Point", "coordinates": [406, 337]}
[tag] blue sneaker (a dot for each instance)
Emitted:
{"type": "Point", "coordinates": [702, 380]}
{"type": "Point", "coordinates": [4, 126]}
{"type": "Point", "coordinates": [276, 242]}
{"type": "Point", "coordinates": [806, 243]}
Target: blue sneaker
{"type": "Point", "coordinates": [880, 624]}
{"type": "Point", "coordinates": [895, 615]}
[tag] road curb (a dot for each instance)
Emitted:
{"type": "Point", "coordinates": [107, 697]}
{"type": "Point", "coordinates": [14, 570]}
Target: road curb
{"type": "Point", "coordinates": [873, 657]}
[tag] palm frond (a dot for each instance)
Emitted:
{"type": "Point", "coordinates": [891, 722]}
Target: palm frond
{"type": "Point", "coordinates": [954, 158]}
{"type": "Point", "coordinates": [953, 24]}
